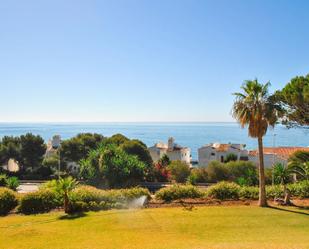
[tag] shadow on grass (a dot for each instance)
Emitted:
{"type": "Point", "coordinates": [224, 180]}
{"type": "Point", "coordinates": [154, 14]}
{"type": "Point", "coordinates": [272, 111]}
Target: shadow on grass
{"type": "Point", "coordinates": [292, 211]}
{"type": "Point", "coordinates": [72, 216]}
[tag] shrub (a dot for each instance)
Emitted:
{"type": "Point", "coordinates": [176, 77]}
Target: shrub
{"type": "Point", "coordinates": [12, 182]}
{"type": "Point", "coordinates": [217, 172]}
{"type": "Point", "coordinates": [275, 191]}
{"type": "Point", "coordinates": [176, 192]}
{"type": "Point", "coordinates": [38, 202]}
{"type": "Point", "coordinates": [242, 172]}
{"type": "Point", "coordinates": [249, 192]}
{"type": "Point", "coordinates": [224, 191]}
{"type": "Point", "coordinates": [230, 157]}
{"type": "Point", "coordinates": [3, 179]}
{"type": "Point", "coordinates": [96, 199]}
{"type": "Point", "coordinates": [179, 171]}
{"type": "Point", "coordinates": [198, 175]}
{"type": "Point", "coordinates": [8, 200]}
{"type": "Point", "coordinates": [300, 189]}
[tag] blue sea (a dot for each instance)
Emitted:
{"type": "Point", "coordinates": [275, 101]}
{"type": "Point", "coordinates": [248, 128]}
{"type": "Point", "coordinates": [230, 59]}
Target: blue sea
{"type": "Point", "coordinates": [193, 135]}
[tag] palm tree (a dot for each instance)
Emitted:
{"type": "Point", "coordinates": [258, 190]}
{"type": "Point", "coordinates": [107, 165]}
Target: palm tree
{"type": "Point", "coordinates": [256, 109]}
{"type": "Point", "coordinates": [283, 175]}
{"type": "Point", "coordinates": [64, 187]}
{"type": "Point", "coordinates": [299, 161]}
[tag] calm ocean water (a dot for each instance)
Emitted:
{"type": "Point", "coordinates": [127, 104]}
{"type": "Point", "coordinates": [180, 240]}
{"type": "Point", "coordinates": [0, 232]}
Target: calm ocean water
{"type": "Point", "coordinates": [193, 135]}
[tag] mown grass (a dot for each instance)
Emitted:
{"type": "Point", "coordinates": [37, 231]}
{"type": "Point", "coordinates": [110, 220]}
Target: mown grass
{"type": "Point", "coordinates": [205, 227]}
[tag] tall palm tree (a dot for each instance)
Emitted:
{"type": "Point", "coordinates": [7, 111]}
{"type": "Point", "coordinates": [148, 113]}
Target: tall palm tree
{"type": "Point", "coordinates": [64, 187]}
{"type": "Point", "coordinates": [255, 108]}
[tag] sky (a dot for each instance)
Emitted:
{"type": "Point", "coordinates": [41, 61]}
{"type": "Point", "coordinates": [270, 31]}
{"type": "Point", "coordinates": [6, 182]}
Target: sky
{"type": "Point", "coordinates": [143, 60]}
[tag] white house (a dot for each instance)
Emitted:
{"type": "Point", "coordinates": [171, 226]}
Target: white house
{"type": "Point", "coordinates": [219, 152]}
{"type": "Point", "coordinates": [172, 150]}
{"type": "Point", "coordinates": [273, 155]}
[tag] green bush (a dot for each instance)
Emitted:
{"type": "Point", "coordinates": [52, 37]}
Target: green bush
{"type": "Point", "coordinates": [198, 175]}
{"type": "Point", "coordinates": [38, 202]}
{"type": "Point", "coordinates": [97, 199]}
{"type": "Point", "coordinates": [8, 200]}
{"type": "Point", "coordinates": [12, 183]}
{"type": "Point", "coordinates": [3, 179]}
{"type": "Point", "coordinates": [249, 192]}
{"type": "Point", "coordinates": [176, 192]}
{"type": "Point", "coordinates": [224, 191]}
{"type": "Point", "coordinates": [179, 171]}
{"type": "Point", "coordinates": [217, 172]}
{"type": "Point", "coordinates": [242, 172]}
{"type": "Point", "coordinates": [275, 191]}
{"type": "Point", "coordinates": [300, 189]}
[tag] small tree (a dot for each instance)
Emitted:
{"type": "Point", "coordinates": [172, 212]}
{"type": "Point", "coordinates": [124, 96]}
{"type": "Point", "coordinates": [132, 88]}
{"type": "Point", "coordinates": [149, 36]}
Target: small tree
{"type": "Point", "coordinates": [179, 171]}
{"type": "Point", "coordinates": [64, 187]}
{"type": "Point", "coordinates": [282, 175]}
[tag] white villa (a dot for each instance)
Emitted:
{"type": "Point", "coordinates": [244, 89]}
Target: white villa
{"type": "Point", "coordinates": [273, 155]}
{"type": "Point", "coordinates": [219, 152]}
{"type": "Point", "coordinates": [172, 150]}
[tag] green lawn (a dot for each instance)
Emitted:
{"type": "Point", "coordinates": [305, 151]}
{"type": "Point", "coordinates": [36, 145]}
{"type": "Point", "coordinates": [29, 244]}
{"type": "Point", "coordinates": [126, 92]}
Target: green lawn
{"type": "Point", "coordinates": [205, 227]}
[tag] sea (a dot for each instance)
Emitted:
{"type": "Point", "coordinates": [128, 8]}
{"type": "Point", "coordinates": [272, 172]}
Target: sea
{"type": "Point", "coordinates": [192, 135]}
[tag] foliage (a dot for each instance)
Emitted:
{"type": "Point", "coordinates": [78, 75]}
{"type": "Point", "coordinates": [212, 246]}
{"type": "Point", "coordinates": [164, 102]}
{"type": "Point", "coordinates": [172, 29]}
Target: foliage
{"type": "Point", "coordinates": [249, 193]}
{"type": "Point", "coordinates": [282, 174]}
{"type": "Point", "coordinates": [138, 148]}
{"type": "Point", "coordinates": [113, 165]}
{"type": "Point", "coordinates": [32, 150]}
{"type": "Point", "coordinates": [294, 97]}
{"type": "Point", "coordinates": [242, 172]}
{"type": "Point", "coordinates": [3, 179]}
{"type": "Point", "coordinates": [176, 192]}
{"type": "Point", "coordinates": [217, 172]}
{"type": "Point", "coordinates": [198, 175]}
{"type": "Point", "coordinates": [223, 191]}
{"type": "Point", "coordinates": [10, 148]}
{"type": "Point", "coordinates": [86, 198]}
{"type": "Point", "coordinates": [51, 162]}
{"type": "Point", "coordinates": [230, 157]}
{"type": "Point", "coordinates": [12, 183]}
{"type": "Point", "coordinates": [179, 171]}
{"type": "Point", "coordinates": [164, 160]}
{"type": "Point", "coordinates": [117, 139]}
{"type": "Point", "coordinates": [38, 202]}
{"type": "Point", "coordinates": [161, 172]}
{"type": "Point", "coordinates": [78, 147]}
{"type": "Point", "coordinates": [300, 189]}
{"type": "Point", "coordinates": [8, 201]}
{"type": "Point", "coordinates": [299, 162]}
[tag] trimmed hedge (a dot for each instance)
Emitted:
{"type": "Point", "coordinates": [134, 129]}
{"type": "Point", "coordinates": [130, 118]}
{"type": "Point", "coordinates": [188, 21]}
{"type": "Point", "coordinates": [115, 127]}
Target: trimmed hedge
{"type": "Point", "coordinates": [300, 189]}
{"type": "Point", "coordinates": [8, 200]}
{"type": "Point", "coordinates": [176, 192]}
{"type": "Point", "coordinates": [224, 191]}
{"type": "Point", "coordinates": [86, 198]}
{"type": "Point", "coordinates": [38, 202]}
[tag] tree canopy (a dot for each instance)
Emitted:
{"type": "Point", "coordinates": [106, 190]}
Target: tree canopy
{"type": "Point", "coordinates": [113, 166]}
{"type": "Point", "coordinates": [78, 147]}
{"type": "Point", "coordinates": [294, 97]}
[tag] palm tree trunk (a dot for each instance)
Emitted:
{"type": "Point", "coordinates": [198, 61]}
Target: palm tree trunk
{"type": "Point", "coordinates": [262, 191]}
{"type": "Point", "coordinates": [66, 203]}
{"type": "Point", "coordinates": [287, 196]}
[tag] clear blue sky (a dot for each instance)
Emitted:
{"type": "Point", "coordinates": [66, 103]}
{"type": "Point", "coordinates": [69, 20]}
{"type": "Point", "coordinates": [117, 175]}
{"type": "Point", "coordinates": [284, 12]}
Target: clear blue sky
{"type": "Point", "coordinates": [135, 60]}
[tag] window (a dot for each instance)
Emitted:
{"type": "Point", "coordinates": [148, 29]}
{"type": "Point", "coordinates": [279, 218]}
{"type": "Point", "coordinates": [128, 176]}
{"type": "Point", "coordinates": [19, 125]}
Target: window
{"type": "Point", "coordinates": [222, 159]}
{"type": "Point", "coordinates": [213, 153]}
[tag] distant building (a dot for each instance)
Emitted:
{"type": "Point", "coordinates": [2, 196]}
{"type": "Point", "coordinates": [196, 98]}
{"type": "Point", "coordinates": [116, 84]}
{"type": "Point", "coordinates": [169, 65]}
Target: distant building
{"type": "Point", "coordinates": [52, 145]}
{"type": "Point", "coordinates": [219, 152]}
{"type": "Point", "coordinates": [273, 155]}
{"type": "Point", "coordinates": [11, 166]}
{"type": "Point", "coordinates": [172, 150]}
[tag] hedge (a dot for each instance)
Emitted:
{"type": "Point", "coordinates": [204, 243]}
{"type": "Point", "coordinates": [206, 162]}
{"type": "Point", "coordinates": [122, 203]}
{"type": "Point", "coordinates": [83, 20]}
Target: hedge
{"type": "Point", "coordinates": [8, 200]}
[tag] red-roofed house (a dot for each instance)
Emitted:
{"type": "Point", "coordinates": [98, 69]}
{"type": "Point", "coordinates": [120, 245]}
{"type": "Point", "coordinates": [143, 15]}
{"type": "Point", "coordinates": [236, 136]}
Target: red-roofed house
{"type": "Point", "coordinates": [273, 155]}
